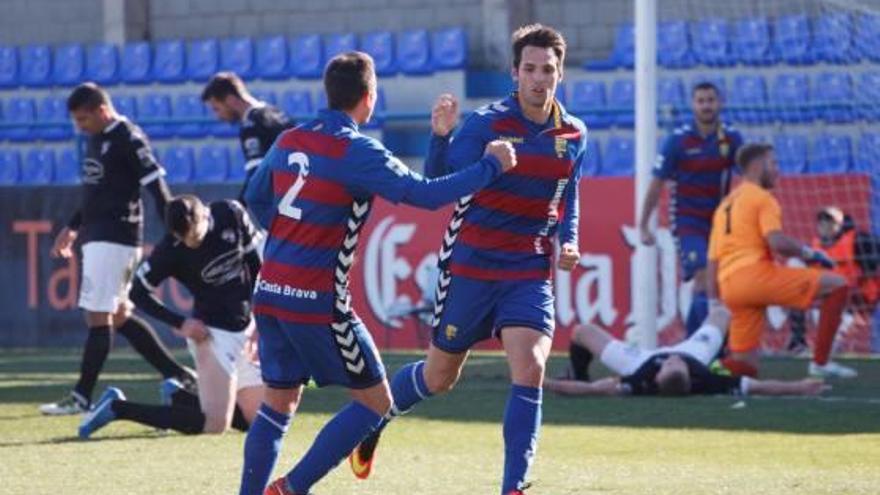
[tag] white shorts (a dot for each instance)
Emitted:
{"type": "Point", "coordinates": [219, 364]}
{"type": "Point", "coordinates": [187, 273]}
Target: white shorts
{"type": "Point", "coordinates": [107, 271]}
{"type": "Point", "coordinates": [228, 348]}
{"type": "Point", "coordinates": [625, 359]}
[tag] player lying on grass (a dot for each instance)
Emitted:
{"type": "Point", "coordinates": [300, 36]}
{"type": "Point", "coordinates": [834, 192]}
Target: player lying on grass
{"type": "Point", "coordinates": [211, 250]}
{"type": "Point", "coordinates": [679, 370]}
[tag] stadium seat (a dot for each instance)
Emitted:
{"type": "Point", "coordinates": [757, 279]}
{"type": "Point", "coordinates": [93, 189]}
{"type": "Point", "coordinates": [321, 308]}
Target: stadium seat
{"type": "Point", "coordinates": [449, 49]}
{"type": "Point", "coordinates": [178, 163]}
{"type": "Point", "coordinates": [272, 57]}
{"type": "Point", "coordinates": [22, 113]}
{"type": "Point", "coordinates": [306, 60]}
{"type": "Point", "coordinates": [624, 52]}
{"type": "Point", "coordinates": [619, 157]}
{"type": "Point", "coordinates": [791, 153]}
{"type": "Point", "coordinates": [750, 43]}
{"type": "Point", "coordinates": [36, 65]}
{"type": "Point", "coordinates": [136, 65]}
{"type": "Point", "coordinates": [212, 165]}
{"type": "Point", "coordinates": [236, 165]}
{"type": "Point", "coordinates": [219, 128]}
{"type": "Point", "coordinates": [414, 52]}
{"type": "Point", "coordinates": [189, 107]}
{"type": "Point", "coordinates": [266, 95]}
{"type": "Point", "coordinates": [67, 168]}
{"type": "Point", "coordinates": [867, 38]}
{"type": "Point", "coordinates": [321, 103]}
{"type": "Point", "coordinates": [380, 46]}
{"type": "Point", "coordinates": [202, 59]}
{"type": "Point", "coordinates": [791, 40]}
{"type": "Point", "coordinates": [867, 156]}
{"type": "Point", "coordinates": [10, 166]}
{"type": "Point", "coordinates": [335, 44]}
{"type": "Point", "coordinates": [155, 107]}
{"type": "Point", "coordinates": [673, 45]}
{"type": "Point", "coordinates": [593, 160]}
{"type": "Point", "coordinates": [588, 101]}
{"type": "Point", "coordinates": [834, 97]}
{"type": "Point", "coordinates": [562, 93]}
{"type": "Point", "coordinates": [69, 64]}
{"type": "Point", "coordinates": [711, 43]}
{"type": "Point", "coordinates": [671, 100]}
{"type": "Point", "coordinates": [54, 121]}
{"type": "Point", "coordinates": [38, 167]}
{"type": "Point", "coordinates": [748, 103]}
{"type": "Point", "coordinates": [378, 118]}
{"type": "Point", "coordinates": [125, 105]}
{"type": "Point", "coordinates": [102, 63]}
{"type": "Point", "coordinates": [237, 55]}
{"type": "Point", "coordinates": [832, 39]}
{"type": "Point", "coordinates": [790, 96]}
{"type": "Point", "coordinates": [622, 102]}
{"type": "Point", "coordinates": [169, 62]}
{"type": "Point", "coordinates": [297, 104]}
{"type": "Point", "coordinates": [8, 66]}
{"type": "Point", "coordinates": [868, 96]}
{"type": "Point", "coordinates": [830, 154]}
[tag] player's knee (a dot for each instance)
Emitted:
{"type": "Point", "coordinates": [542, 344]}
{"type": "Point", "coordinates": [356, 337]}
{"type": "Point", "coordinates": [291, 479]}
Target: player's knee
{"type": "Point", "coordinates": [443, 381]}
{"type": "Point", "coordinates": [581, 334]}
{"type": "Point", "coordinates": [530, 373]}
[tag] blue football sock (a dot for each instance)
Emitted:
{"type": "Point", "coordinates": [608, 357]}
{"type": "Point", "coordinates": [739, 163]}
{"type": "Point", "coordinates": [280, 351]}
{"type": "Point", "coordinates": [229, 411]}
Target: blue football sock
{"type": "Point", "coordinates": [261, 449]}
{"type": "Point", "coordinates": [698, 312]}
{"type": "Point", "coordinates": [335, 441]}
{"type": "Point", "coordinates": [408, 387]}
{"type": "Point", "coordinates": [522, 420]}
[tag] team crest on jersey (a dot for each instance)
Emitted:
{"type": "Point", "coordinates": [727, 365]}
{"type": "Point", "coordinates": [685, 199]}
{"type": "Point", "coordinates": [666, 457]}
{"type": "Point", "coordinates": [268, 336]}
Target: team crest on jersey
{"type": "Point", "coordinates": [229, 236]}
{"type": "Point", "coordinates": [223, 268]}
{"type": "Point", "coordinates": [252, 146]}
{"type": "Point", "coordinates": [93, 171]}
{"type": "Point", "coordinates": [451, 332]}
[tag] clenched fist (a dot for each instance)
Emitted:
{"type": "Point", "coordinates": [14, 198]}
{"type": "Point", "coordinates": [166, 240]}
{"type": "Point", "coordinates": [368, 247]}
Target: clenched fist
{"type": "Point", "coordinates": [504, 152]}
{"type": "Point", "coordinates": [444, 115]}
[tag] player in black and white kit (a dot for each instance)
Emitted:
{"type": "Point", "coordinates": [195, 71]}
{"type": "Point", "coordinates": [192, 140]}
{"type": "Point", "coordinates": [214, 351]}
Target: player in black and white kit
{"type": "Point", "coordinates": [261, 123]}
{"type": "Point", "coordinates": [109, 224]}
{"type": "Point", "coordinates": [211, 250]}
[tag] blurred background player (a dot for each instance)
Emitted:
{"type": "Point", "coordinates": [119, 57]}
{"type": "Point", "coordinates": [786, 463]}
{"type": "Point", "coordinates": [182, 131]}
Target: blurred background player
{"type": "Point", "coordinates": [746, 235]}
{"type": "Point", "coordinates": [496, 258]}
{"type": "Point", "coordinates": [260, 123]}
{"type": "Point", "coordinates": [313, 192]}
{"type": "Point", "coordinates": [109, 225]}
{"type": "Point", "coordinates": [697, 160]}
{"type": "Point", "coordinates": [211, 250]}
{"type": "Point", "coordinates": [679, 370]}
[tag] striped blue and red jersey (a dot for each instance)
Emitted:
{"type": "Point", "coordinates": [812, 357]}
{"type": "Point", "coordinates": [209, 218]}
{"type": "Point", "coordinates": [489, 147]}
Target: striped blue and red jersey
{"type": "Point", "coordinates": [700, 169]}
{"type": "Point", "coordinates": [507, 230]}
{"type": "Point", "coordinates": [312, 193]}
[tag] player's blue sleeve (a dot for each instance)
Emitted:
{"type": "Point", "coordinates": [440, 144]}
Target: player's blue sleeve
{"type": "Point", "coordinates": [568, 230]}
{"type": "Point", "coordinates": [664, 168]}
{"type": "Point", "coordinates": [466, 147]}
{"type": "Point", "coordinates": [258, 193]}
{"type": "Point", "coordinates": [435, 161]}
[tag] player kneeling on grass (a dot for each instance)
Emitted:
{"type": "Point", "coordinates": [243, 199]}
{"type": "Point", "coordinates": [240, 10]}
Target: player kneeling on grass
{"type": "Point", "coordinates": [210, 250]}
{"type": "Point", "coordinates": [682, 369]}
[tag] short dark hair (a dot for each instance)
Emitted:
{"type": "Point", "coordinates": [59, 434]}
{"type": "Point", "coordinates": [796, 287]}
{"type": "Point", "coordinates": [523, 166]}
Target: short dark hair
{"type": "Point", "coordinates": [87, 96]}
{"type": "Point", "coordinates": [181, 213]}
{"type": "Point", "coordinates": [540, 36]}
{"type": "Point", "coordinates": [224, 84]}
{"type": "Point", "coordinates": [674, 384]}
{"type": "Point", "coordinates": [750, 152]}
{"type": "Point", "coordinates": [703, 86]}
{"type": "Point", "coordinates": [347, 78]}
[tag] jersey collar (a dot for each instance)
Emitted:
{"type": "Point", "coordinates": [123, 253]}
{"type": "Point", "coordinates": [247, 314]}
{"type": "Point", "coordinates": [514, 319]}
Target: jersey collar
{"type": "Point", "coordinates": [113, 124]}
{"type": "Point", "coordinates": [247, 113]}
{"type": "Point", "coordinates": [338, 117]}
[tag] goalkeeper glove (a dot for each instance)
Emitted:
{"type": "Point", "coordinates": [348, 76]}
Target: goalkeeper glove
{"type": "Point", "coordinates": [811, 255]}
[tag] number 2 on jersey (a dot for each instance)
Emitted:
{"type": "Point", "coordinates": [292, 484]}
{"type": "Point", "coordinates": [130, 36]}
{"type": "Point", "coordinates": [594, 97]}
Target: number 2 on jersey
{"type": "Point", "coordinates": [285, 206]}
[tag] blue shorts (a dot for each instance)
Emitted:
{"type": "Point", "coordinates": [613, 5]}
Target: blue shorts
{"type": "Point", "coordinates": [692, 251]}
{"type": "Point", "coordinates": [474, 310]}
{"type": "Point", "coordinates": [335, 354]}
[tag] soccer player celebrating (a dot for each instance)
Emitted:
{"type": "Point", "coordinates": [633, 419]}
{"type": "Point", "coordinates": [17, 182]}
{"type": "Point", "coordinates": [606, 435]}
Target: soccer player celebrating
{"type": "Point", "coordinates": [496, 258]}
{"type": "Point", "coordinates": [109, 224]}
{"type": "Point", "coordinates": [211, 250]}
{"type": "Point", "coordinates": [697, 159]}
{"type": "Point", "coordinates": [746, 234]}
{"type": "Point", "coordinates": [313, 194]}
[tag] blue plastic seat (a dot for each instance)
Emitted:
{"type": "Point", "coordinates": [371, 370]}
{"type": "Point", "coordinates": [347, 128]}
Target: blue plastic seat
{"type": "Point", "coordinates": [297, 103]}
{"type": "Point", "coordinates": [622, 102]}
{"type": "Point", "coordinates": [102, 63]}
{"type": "Point", "coordinates": [237, 55]}
{"type": "Point", "coordinates": [178, 163]}
{"type": "Point", "coordinates": [218, 128]}
{"type": "Point", "coordinates": [562, 94]}
{"type": "Point", "coordinates": [711, 43]}
{"type": "Point", "coordinates": [792, 40]}
{"type": "Point", "coordinates": [8, 66]}
{"type": "Point", "coordinates": [202, 59]}
{"type": "Point", "coordinates": [306, 56]}
{"type": "Point", "coordinates": [125, 105]}
{"type": "Point", "coordinates": [380, 46]}
{"type": "Point", "coordinates": [588, 101]}
{"type": "Point", "coordinates": [867, 38]}
{"type": "Point", "coordinates": [830, 154]}
{"type": "Point", "coordinates": [169, 62]}
{"type": "Point", "coordinates": [748, 102]}
{"type": "Point", "coordinates": [414, 52]}
{"type": "Point", "coordinates": [673, 45]}
{"type": "Point", "coordinates": [449, 49]}
{"type": "Point", "coordinates": [335, 44]}
{"type": "Point", "coordinates": [624, 52]}
{"type": "Point", "coordinates": [671, 100]}
{"type": "Point", "coordinates": [189, 107]}
{"type": "Point", "coordinates": [593, 160]}
{"type": "Point", "coordinates": [36, 65]}
{"type": "Point", "coordinates": [867, 155]}
{"type": "Point", "coordinates": [272, 57]}
{"type": "Point", "coordinates": [236, 173]}
{"type": "Point", "coordinates": [212, 165]}
{"type": "Point", "coordinates": [321, 102]}
{"type": "Point", "coordinates": [67, 168]}
{"type": "Point", "coordinates": [22, 113]}
{"type": "Point", "coordinates": [619, 157]}
{"type": "Point", "coordinates": [10, 166]}
{"type": "Point", "coordinates": [834, 96]}
{"type": "Point", "coordinates": [38, 167]}
{"type": "Point", "coordinates": [378, 118]}
{"type": "Point", "coordinates": [69, 64]}
{"type": "Point", "coordinates": [750, 43]}
{"type": "Point", "coordinates": [867, 96]}
{"type": "Point", "coordinates": [137, 62]}
{"type": "Point", "coordinates": [155, 107]}
{"type": "Point", "coordinates": [789, 94]}
{"type": "Point", "coordinates": [791, 153]}
{"type": "Point", "coordinates": [832, 39]}
{"type": "Point", "coordinates": [266, 95]}
{"type": "Point", "coordinates": [53, 118]}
